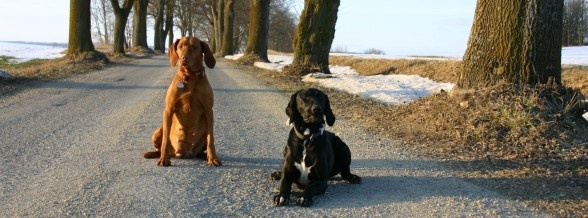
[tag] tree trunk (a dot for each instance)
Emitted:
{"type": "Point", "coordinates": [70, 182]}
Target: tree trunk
{"type": "Point", "coordinates": [163, 24]}
{"type": "Point", "coordinates": [314, 36]}
{"type": "Point", "coordinates": [121, 16]}
{"type": "Point", "coordinates": [227, 40]}
{"type": "Point", "coordinates": [105, 24]}
{"type": "Point", "coordinates": [140, 25]}
{"type": "Point", "coordinates": [220, 23]}
{"type": "Point", "coordinates": [158, 28]}
{"type": "Point", "coordinates": [80, 33]}
{"type": "Point", "coordinates": [170, 38]}
{"type": "Point", "coordinates": [169, 24]}
{"type": "Point", "coordinates": [517, 42]}
{"type": "Point", "coordinates": [258, 31]}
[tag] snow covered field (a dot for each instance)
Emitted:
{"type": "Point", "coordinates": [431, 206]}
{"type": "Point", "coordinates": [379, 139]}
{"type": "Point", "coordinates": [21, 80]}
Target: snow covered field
{"type": "Point", "coordinates": [390, 89]}
{"type": "Point", "coordinates": [24, 52]}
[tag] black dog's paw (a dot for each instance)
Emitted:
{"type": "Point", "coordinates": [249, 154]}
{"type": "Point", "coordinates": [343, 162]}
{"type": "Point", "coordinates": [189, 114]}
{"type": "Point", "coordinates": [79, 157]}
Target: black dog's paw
{"type": "Point", "coordinates": [280, 200]}
{"type": "Point", "coordinates": [276, 175]}
{"type": "Point", "coordinates": [354, 179]}
{"type": "Point", "coordinates": [305, 202]}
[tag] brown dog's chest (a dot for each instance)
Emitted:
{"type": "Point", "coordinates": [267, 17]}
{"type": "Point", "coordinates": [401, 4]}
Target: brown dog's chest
{"type": "Point", "coordinates": [191, 106]}
{"type": "Point", "coordinates": [192, 101]}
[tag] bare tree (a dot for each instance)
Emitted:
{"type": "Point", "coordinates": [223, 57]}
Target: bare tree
{"type": "Point", "coordinates": [101, 11]}
{"type": "Point", "coordinates": [282, 26]}
{"type": "Point", "coordinates": [129, 30]}
{"type": "Point", "coordinates": [80, 34]}
{"type": "Point", "coordinates": [575, 22]}
{"type": "Point", "coordinates": [241, 24]}
{"type": "Point", "coordinates": [219, 28]}
{"type": "Point", "coordinates": [184, 16]}
{"type": "Point", "coordinates": [227, 47]}
{"type": "Point", "coordinates": [140, 25]}
{"type": "Point", "coordinates": [258, 32]}
{"type": "Point", "coordinates": [206, 22]}
{"type": "Point", "coordinates": [314, 36]}
{"type": "Point", "coordinates": [121, 16]}
{"type": "Point", "coordinates": [162, 8]}
{"type": "Point", "coordinates": [514, 41]}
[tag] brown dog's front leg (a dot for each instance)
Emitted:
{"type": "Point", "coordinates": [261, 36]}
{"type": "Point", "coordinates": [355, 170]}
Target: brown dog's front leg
{"type": "Point", "coordinates": [210, 150]}
{"type": "Point", "coordinates": [164, 159]}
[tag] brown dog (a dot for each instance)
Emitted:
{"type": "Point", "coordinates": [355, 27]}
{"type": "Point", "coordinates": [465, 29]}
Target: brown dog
{"type": "Point", "coordinates": [187, 129]}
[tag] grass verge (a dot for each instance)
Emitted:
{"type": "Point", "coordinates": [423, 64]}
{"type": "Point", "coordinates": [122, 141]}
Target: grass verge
{"type": "Point", "coordinates": [527, 143]}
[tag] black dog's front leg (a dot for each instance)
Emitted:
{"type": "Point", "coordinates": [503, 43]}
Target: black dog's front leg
{"type": "Point", "coordinates": [283, 198]}
{"type": "Point", "coordinates": [315, 188]}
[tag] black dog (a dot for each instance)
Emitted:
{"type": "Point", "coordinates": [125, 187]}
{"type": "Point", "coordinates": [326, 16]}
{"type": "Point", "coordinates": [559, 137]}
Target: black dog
{"type": "Point", "coordinates": [312, 155]}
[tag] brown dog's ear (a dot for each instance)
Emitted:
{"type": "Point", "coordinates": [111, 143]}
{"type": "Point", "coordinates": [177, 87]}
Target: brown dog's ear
{"type": "Point", "coordinates": [208, 57]}
{"type": "Point", "coordinates": [172, 54]}
{"type": "Point", "coordinates": [328, 112]}
{"type": "Point", "coordinates": [292, 109]}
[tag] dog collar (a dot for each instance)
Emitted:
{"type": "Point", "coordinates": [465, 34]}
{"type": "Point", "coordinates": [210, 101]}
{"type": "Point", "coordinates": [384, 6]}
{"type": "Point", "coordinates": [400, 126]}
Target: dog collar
{"type": "Point", "coordinates": [190, 76]}
{"type": "Point", "coordinates": [307, 136]}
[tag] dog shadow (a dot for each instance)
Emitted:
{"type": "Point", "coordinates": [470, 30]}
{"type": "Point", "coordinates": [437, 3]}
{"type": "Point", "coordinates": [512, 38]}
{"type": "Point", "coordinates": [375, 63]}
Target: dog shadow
{"type": "Point", "coordinates": [382, 182]}
{"type": "Point", "coordinates": [386, 181]}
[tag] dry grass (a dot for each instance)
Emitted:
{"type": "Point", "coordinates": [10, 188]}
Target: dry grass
{"type": "Point", "coordinates": [438, 70]}
{"type": "Point", "coordinates": [523, 142]}
{"type": "Point", "coordinates": [527, 143]}
{"type": "Point", "coordinates": [273, 52]}
{"type": "Point", "coordinates": [576, 77]}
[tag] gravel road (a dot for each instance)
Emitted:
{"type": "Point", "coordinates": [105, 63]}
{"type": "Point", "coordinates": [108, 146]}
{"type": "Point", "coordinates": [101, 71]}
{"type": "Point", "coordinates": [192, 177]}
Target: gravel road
{"type": "Point", "coordinates": [73, 147]}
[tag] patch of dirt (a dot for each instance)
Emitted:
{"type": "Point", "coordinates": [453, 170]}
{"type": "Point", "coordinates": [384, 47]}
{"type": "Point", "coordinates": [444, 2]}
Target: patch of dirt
{"type": "Point", "coordinates": [527, 143]}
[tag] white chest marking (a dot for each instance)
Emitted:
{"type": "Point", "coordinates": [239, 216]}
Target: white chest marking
{"type": "Point", "coordinates": [304, 170]}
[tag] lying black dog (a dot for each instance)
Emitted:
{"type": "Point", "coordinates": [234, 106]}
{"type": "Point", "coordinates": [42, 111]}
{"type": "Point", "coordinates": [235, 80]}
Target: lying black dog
{"type": "Point", "coordinates": [312, 155]}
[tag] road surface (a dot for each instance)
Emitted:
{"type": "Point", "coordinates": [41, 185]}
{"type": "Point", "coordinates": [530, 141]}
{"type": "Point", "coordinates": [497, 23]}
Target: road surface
{"type": "Point", "coordinates": [73, 147]}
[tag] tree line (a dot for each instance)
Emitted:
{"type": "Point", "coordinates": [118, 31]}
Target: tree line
{"type": "Point", "coordinates": [517, 42]}
{"type": "Point", "coordinates": [201, 18]}
{"type": "Point", "coordinates": [575, 23]}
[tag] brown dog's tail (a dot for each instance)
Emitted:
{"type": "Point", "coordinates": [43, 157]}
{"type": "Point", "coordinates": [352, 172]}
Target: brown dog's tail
{"type": "Point", "coordinates": [152, 154]}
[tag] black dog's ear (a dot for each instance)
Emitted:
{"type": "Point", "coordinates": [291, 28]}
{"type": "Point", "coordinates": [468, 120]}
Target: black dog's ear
{"type": "Point", "coordinates": [328, 112]}
{"type": "Point", "coordinates": [292, 109]}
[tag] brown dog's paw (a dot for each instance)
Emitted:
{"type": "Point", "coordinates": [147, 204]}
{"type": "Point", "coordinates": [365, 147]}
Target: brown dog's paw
{"type": "Point", "coordinates": [152, 154]}
{"type": "Point", "coordinates": [164, 162]}
{"type": "Point", "coordinates": [214, 162]}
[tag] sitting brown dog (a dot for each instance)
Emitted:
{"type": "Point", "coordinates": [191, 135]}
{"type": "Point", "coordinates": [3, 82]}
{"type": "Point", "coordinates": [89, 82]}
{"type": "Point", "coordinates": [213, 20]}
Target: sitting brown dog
{"type": "Point", "coordinates": [187, 129]}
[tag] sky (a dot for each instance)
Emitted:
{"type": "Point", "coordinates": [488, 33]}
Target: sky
{"type": "Point", "coordinates": [397, 27]}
